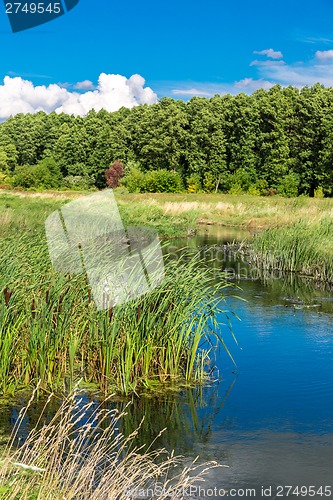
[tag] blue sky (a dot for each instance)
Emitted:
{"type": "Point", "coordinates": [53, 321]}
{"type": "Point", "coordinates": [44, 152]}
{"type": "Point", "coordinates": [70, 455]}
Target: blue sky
{"type": "Point", "coordinates": [180, 48]}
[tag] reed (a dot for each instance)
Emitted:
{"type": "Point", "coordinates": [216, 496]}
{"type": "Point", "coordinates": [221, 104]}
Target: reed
{"type": "Point", "coordinates": [80, 453]}
{"type": "Point", "coordinates": [304, 247]}
{"type": "Point", "coordinates": [51, 331]}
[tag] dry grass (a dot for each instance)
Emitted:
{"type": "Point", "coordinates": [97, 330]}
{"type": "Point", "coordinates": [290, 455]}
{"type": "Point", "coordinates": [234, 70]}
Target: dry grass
{"type": "Point", "coordinates": [237, 210]}
{"type": "Point", "coordinates": [81, 454]}
{"type": "Point", "coordinates": [224, 209]}
{"type": "Point", "coordinates": [58, 195]}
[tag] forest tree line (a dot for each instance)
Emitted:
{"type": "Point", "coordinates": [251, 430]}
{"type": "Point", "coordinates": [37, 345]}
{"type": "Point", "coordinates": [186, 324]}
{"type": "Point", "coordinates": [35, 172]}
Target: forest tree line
{"type": "Point", "coordinates": [273, 141]}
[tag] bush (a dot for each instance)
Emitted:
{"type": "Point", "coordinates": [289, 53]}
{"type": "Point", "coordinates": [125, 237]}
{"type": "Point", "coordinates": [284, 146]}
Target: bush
{"type": "Point", "coordinates": [240, 181]}
{"type": "Point", "coordinates": [55, 174]}
{"type": "Point", "coordinates": [288, 185]}
{"type": "Point", "coordinates": [236, 189]}
{"type": "Point", "coordinates": [319, 192]}
{"type": "Point", "coordinates": [5, 181]}
{"type": "Point", "coordinates": [209, 183]}
{"type": "Point", "coordinates": [114, 174]}
{"type": "Point", "coordinates": [24, 176]}
{"type": "Point", "coordinates": [156, 181]}
{"type": "Point", "coordinates": [194, 183]}
{"type": "Point", "coordinates": [134, 180]}
{"type": "Point", "coordinates": [262, 187]}
{"type": "Point", "coordinates": [253, 191]}
{"type": "Point", "coordinates": [163, 181]}
{"type": "Point", "coordinates": [44, 175]}
{"type": "Point", "coordinates": [77, 182]}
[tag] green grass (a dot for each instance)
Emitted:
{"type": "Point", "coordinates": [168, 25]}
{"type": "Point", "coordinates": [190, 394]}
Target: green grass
{"type": "Point", "coordinates": [176, 214]}
{"type": "Point", "coordinates": [305, 248]}
{"type": "Point", "coordinates": [51, 331]}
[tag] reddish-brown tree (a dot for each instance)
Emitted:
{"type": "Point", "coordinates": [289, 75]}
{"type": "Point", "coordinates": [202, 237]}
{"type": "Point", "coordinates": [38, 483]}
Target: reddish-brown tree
{"type": "Point", "coordinates": [114, 173]}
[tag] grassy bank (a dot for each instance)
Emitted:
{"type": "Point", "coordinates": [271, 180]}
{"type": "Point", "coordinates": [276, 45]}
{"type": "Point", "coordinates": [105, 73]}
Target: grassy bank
{"type": "Point", "coordinates": [304, 248]}
{"type": "Point", "coordinates": [179, 214]}
{"type": "Point", "coordinates": [51, 331]}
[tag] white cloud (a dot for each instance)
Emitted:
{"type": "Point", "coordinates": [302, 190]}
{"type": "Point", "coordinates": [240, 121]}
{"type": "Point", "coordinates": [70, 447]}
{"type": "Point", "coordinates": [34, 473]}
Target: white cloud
{"type": "Point", "coordinates": [273, 54]}
{"type": "Point", "coordinates": [265, 63]}
{"type": "Point", "coordinates": [250, 85]}
{"type": "Point", "coordinates": [85, 85]}
{"type": "Point", "coordinates": [324, 55]}
{"type": "Point", "coordinates": [192, 92]}
{"type": "Point", "coordinates": [300, 74]}
{"type": "Point", "coordinates": [113, 92]}
{"type": "Point", "coordinates": [313, 39]}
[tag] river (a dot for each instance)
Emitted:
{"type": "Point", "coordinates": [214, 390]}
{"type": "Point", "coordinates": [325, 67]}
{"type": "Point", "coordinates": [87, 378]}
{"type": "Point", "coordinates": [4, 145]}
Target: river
{"type": "Point", "coordinates": [269, 416]}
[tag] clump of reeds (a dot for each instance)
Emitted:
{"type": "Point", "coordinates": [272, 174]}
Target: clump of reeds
{"type": "Point", "coordinates": [304, 247]}
{"type": "Point", "coordinates": [50, 329]}
{"type": "Point", "coordinates": [80, 453]}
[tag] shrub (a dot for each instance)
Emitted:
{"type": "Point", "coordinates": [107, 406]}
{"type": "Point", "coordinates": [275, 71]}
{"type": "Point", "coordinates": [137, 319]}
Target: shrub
{"type": "Point", "coordinates": [288, 185]}
{"type": "Point", "coordinates": [163, 181]}
{"type": "Point", "coordinates": [134, 180]}
{"type": "Point", "coordinates": [319, 193]}
{"type": "Point", "coordinates": [209, 182]}
{"type": "Point", "coordinates": [262, 186]}
{"type": "Point", "coordinates": [77, 182]}
{"type": "Point", "coordinates": [194, 183]}
{"type": "Point", "coordinates": [44, 175]}
{"type": "Point", "coordinates": [24, 176]}
{"type": "Point", "coordinates": [54, 180]}
{"type": "Point", "coordinates": [236, 189]}
{"type": "Point", "coordinates": [253, 191]}
{"type": "Point", "coordinates": [5, 181]}
{"type": "Point", "coordinates": [114, 174]}
{"type": "Point", "coordinates": [240, 181]}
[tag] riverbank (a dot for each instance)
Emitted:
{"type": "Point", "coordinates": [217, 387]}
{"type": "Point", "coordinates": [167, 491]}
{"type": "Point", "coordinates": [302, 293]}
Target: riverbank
{"type": "Point", "coordinates": [180, 214]}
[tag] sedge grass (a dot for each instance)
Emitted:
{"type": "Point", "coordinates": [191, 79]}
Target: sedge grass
{"type": "Point", "coordinates": [304, 247]}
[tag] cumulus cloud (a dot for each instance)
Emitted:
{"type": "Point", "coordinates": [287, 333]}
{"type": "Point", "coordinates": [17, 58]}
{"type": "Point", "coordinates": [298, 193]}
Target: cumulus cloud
{"type": "Point", "coordinates": [85, 85]}
{"type": "Point", "coordinates": [273, 54]}
{"type": "Point", "coordinates": [113, 91]}
{"type": "Point", "coordinates": [324, 55]}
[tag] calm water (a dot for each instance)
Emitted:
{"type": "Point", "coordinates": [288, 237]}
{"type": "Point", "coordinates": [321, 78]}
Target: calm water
{"type": "Point", "coordinates": [270, 418]}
